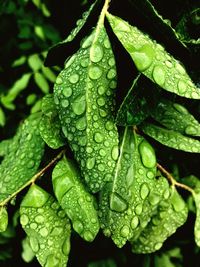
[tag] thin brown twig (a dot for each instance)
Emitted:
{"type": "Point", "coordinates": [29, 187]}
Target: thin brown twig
{"type": "Point", "coordinates": [33, 179]}
{"type": "Point", "coordinates": [172, 180]}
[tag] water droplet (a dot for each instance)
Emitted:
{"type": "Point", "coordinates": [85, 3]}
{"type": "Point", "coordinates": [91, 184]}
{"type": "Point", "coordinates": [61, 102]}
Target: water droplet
{"type": "Point", "coordinates": [84, 62]}
{"type": "Point", "coordinates": [109, 125]}
{"type": "Point", "coordinates": [66, 247]}
{"type": "Point", "coordinates": [115, 152]}
{"type": "Point", "coordinates": [168, 63]}
{"type": "Point", "coordinates": [158, 246]}
{"type": "Point", "coordinates": [64, 103]}
{"type": "Point", "coordinates": [88, 41]}
{"type": "Point", "coordinates": [182, 87]}
{"type": "Point", "coordinates": [143, 57]}
{"type": "Point", "coordinates": [33, 226]}
{"type": "Point", "coordinates": [144, 190]}
{"type": "Point", "coordinates": [101, 90]}
{"type": "Point", "coordinates": [79, 105]}
{"type": "Point", "coordinates": [150, 175]}
{"type": "Point", "coordinates": [44, 232]}
{"type": "Point", "coordinates": [31, 164]}
{"type": "Point", "coordinates": [117, 203]}
{"type": "Point", "coordinates": [190, 130]}
{"type": "Point", "coordinates": [111, 61]}
{"type": "Point", "coordinates": [101, 101]}
{"type": "Point", "coordinates": [96, 53]}
{"type": "Point", "coordinates": [88, 236]}
{"type": "Point", "coordinates": [39, 219]}
{"type": "Point", "coordinates": [34, 244]}
{"type": "Point", "coordinates": [94, 72]}
{"type": "Point", "coordinates": [180, 68]}
{"type": "Point", "coordinates": [147, 154]}
{"type": "Point", "coordinates": [69, 61]}
{"type": "Point", "coordinates": [166, 194]}
{"type": "Point", "coordinates": [78, 226]}
{"type": "Point", "coordinates": [59, 80]}
{"type": "Point", "coordinates": [125, 231]}
{"type": "Point", "coordinates": [102, 152]}
{"type": "Point", "coordinates": [57, 231]}
{"type": "Point", "coordinates": [24, 220]}
{"type": "Point", "coordinates": [103, 113]}
{"type": "Point", "coordinates": [90, 163]}
{"type": "Point", "coordinates": [67, 91]}
{"type": "Point", "coordinates": [134, 222]}
{"type": "Point", "coordinates": [98, 137]}
{"type": "Point", "coordinates": [81, 124]}
{"type": "Point", "coordinates": [74, 78]}
{"type": "Point", "coordinates": [138, 209]}
{"type": "Point", "coordinates": [154, 199]}
{"type": "Point", "coordinates": [111, 74]}
{"type": "Point", "coordinates": [177, 202]}
{"type": "Point", "coordinates": [159, 75]}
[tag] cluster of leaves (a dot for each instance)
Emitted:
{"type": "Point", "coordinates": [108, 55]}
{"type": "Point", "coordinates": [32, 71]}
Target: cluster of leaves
{"type": "Point", "coordinates": [106, 174]}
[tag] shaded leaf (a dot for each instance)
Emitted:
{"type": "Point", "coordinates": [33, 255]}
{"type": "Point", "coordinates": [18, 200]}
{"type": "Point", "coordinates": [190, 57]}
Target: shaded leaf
{"type": "Point", "coordinates": [34, 62]}
{"type": "Point", "coordinates": [78, 204]}
{"type": "Point", "coordinates": [3, 219]}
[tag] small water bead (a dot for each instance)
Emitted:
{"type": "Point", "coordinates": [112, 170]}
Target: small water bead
{"type": "Point", "coordinates": [168, 63]}
{"type": "Point", "coordinates": [111, 61]}
{"type": "Point", "coordinates": [134, 222]}
{"type": "Point", "coordinates": [101, 90]}
{"type": "Point", "coordinates": [106, 43]}
{"type": "Point", "coordinates": [138, 209]}
{"type": "Point", "coordinates": [64, 103]}
{"type": "Point", "coordinates": [111, 74]}
{"type": "Point", "coordinates": [69, 61]}
{"type": "Point", "coordinates": [39, 219]}
{"type": "Point", "coordinates": [81, 124]}
{"type": "Point", "coordinates": [144, 190]}
{"type": "Point", "coordinates": [95, 72]}
{"type": "Point", "coordinates": [44, 232]}
{"type": "Point", "coordinates": [67, 91]}
{"type": "Point", "coordinates": [88, 41]}
{"type": "Point", "coordinates": [147, 154]}
{"type": "Point", "coordinates": [59, 80]}
{"type": "Point", "coordinates": [52, 261]}
{"type": "Point", "coordinates": [113, 84]}
{"type": "Point", "coordinates": [88, 236]}
{"type": "Point", "coordinates": [103, 113]}
{"type": "Point", "coordinates": [182, 87]}
{"type": "Point", "coordinates": [74, 78]}
{"type": "Point", "coordinates": [57, 231]}
{"type": "Point", "coordinates": [96, 53]}
{"type": "Point", "coordinates": [180, 68]}
{"type": "Point", "coordinates": [89, 149]}
{"type": "Point", "coordinates": [125, 231]}
{"type": "Point", "coordinates": [101, 101]}
{"type": "Point", "coordinates": [158, 246]}
{"type": "Point", "coordinates": [154, 199]}
{"type": "Point", "coordinates": [150, 175]}
{"type": "Point", "coordinates": [90, 163]}
{"type": "Point", "coordinates": [117, 203]}
{"type": "Point", "coordinates": [34, 244]}
{"type": "Point", "coordinates": [190, 130]}
{"type": "Point", "coordinates": [98, 137]}
{"type": "Point", "coordinates": [143, 57]}
{"type": "Point", "coordinates": [159, 75]}
{"type": "Point", "coordinates": [102, 152]}
{"type": "Point", "coordinates": [79, 105]}
{"type": "Point", "coordinates": [24, 220]}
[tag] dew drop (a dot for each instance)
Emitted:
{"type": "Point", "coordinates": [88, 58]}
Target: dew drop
{"type": "Point", "coordinates": [96, 53]}
{"type": "Point", "coordinates": [88, 41]}
{"type": "Point", "coordinates": [111, 74]}
{"type": "Point", "coordinates": [44, 232]}
{"type": "Point", "coordinates": [84, 62]}
{"type": "Point", "coordinates": [177, 202]}
{"type": "Point", "coordinates": [24, 220]}
{"type": "Point", "coordinates": [88, 236]}
{"type": "Point", "coordinates": [134, 222]}
{"type": "Point", "coordinates": [138, 209]}
{"type": "Point", "coordinates": [147, 154]}
{"type": "Point", "coordinates": [190, 130]}
{"type": "Point", "coordinates": [98, 137]}
{"type": "Point", "coordinates": [159, 75]}
{"type": "Point", "coordinates": [64, 103]}
{"type": "Point", "coordinates": [109, 125]}
{"type": "Point", "coordinates": [67, 91]}
{"type": "Point", "coordinates": [154, 199]}
{"type": "Point", "coordinates": [90, 163]}
{"type": "Point", "coordinates": [66, 247]}
{"type": "Point", "coordinates": [182, 87]}
{"type": "Point", "coordinates": [59, 80]}
{"type": "Point", "coordinates": [168, 63]}
{"type": "Point", "coordinates": [144, 190]}
{"type": "Point", "coordinates": [69, 61]}
{"type": "Point", "coordinates": [78, 226]}
{"type": "Point", "coordinates": [74, 78]}
{"type": "Point", "coordinates": [101, 90]}
{"type": "Point", "coordinates": [115, 152]}
{"type": "Point", "coordinates": [101, 101]}
{"type": "Point", "coordinates": [150, 174]}
{"type": "Point", "coordinates": [81, 124]}
{"type": "Point", "coordinates": [52, 261]}
{"type": "Point", "coordinates": [39, 219]}
{"type": "Point", "coordinates": [158, 246]}
{"type": "Point", "coordinates": [111, 61]}
{"type": "Point", "coordinates": [34, 244]}
{"type": "Point", "coordinates": [94, 72]}
{"type": "Point", "coordinates": [143, 57]}
{"type": "Point", "coordinates": [125, 231]}
{"type": "Point", "coordinates": [117, 203]}
{"type": "Point", "coordinates": [102, 152]}
{"type": "Point", "coordinates": [180, 68]}
{"type": "Point", "coordinates": [79, 105]}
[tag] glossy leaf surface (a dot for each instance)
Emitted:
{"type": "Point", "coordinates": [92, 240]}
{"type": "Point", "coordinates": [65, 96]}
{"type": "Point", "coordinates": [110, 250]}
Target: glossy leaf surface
{"type": "Point", "coordinates": [171, 138]}
{"type": "Point", "coordinates": [84, 96]}
{"type": "Point", "coordinates": [78, 204]}
{"type": "Point", "coordinates": [152, 60]}
{"type": "Point", "coordinates": [47, 227]}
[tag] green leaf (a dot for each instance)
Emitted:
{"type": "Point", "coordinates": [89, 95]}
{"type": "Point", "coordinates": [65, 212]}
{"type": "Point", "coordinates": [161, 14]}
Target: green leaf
{"type": "Point", "coordinates": [78, 204]}
{"type": "Point", "coordinates": [171, 138]}
{"type": "Point", "coordinates": [41, 82]}
{"type": "Point", "coordinates": [3, 219]}
{"type": "Point", "coordinates": [30, 100]}
{"type": "Point", "coordinates": [36, 107]}
{"type": "Point", "coordinates": [84, 95]}
{"type": "Point", "coordinates": [47, 227]}
{"type": "Point", "coordinates": [34, 62]}
{"type": "Point", "coordinates": [49, 126]}
{"type": "Point", "coordinates": [125, 207]}
{"type": "Point", "coordinates": [48, 73]}
{"type": "Point", "coordinates": [27, 252]}
{"type": "Point", "coordinates": [103, 263]}
{"type": "Point", "coordinates": [152, 60]}
{"type": "Point", "coordinates": [2, 117]}
{"type": "Point", "coordinates": [39, 32]}
{"type": "Point", "coordinates": [23, 158]}
{"type": "Point", "coordinates": [137, 104]}
{"type": "Point", "coordinates": [171, 214]}
{"type": "Point", "coordinates": [19, 61]}
{"type": "Point", "coordinates": [176, 117]}
{"type": "Point", "coordinates": [5, 146]}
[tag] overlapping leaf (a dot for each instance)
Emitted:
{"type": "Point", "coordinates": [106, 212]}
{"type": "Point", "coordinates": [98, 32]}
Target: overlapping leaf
{"type": "Point", "coordinates": [3, 219]}
{"type": "Point", "coordinates": [75, 200]}
{"type": "Point", "coordinates": [84, 95]}
{"type": "Point", "coordinates": [152, 60]}
{"type": "Point", "coordinates": [171, 138]}
{"type": "Point", "coordinates": [171, 214]}
{"type": "Point", "coordinates": [50, 127]}
{"type": "Point", "coordinates": [22, 158]}
{"type": "Point", "coordinates": [47, 227]}
{"type": "Point", "coordinates": [125, 208]}
{"type": "Point", "coordinates": [176, 117]}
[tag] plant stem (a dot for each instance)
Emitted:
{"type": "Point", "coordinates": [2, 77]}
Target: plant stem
{"type": "Point", "coordinates": [173, 181]}
{"type": "Point", "coordinates": [33, 179]}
